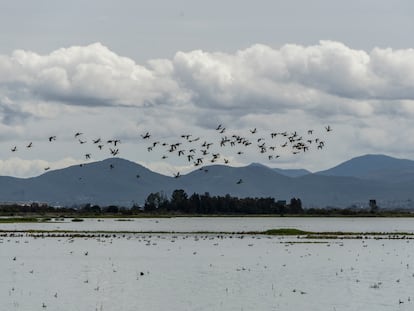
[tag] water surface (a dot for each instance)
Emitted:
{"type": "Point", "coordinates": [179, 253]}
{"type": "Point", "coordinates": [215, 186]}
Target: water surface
{"type": "Point", "coordinates": [225, 224]}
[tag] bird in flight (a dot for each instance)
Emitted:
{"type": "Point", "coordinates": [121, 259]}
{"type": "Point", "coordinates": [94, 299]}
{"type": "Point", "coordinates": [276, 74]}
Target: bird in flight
{"type": "Point", "coordinates": [51, 138]}
{"type": "Point", "coordinates": [146, 136]}
{"type": "Point", "coordinates": [114, 152]}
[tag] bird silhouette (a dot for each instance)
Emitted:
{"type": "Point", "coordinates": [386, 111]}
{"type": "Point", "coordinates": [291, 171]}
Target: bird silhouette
{"type": "Point", "coordinates": [114, 152]}
{"type": "Point", "coordinates": [146, 135]}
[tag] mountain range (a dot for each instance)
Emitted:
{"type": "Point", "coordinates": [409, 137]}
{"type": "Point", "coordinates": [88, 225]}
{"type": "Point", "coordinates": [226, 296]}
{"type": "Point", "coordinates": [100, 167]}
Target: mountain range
{"type": "Point", "coordinates": [116, 181]}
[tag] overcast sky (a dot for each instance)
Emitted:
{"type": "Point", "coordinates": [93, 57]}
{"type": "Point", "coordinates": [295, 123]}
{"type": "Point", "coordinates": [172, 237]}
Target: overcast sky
{"type": "Point", "coordinates": [117, 69]}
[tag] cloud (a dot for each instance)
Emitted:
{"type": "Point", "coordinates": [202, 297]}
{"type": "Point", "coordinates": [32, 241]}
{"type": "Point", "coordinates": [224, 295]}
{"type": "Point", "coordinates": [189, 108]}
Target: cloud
{"type": "Point", "coordinates": [257, 78]}
{"type": "Point", "coordinates": [18, 167]}
{"type": "Point", "coordinates": [88, 76]}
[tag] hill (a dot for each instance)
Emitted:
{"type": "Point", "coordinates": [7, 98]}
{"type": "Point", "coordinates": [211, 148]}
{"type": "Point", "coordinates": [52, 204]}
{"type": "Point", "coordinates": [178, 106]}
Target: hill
{"type": "Point", "coordinates": [121, 182]}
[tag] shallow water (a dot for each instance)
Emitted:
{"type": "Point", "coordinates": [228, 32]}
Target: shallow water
{"type": "Point", "coordinates": [205, 272]}
{"type": "Point", "coordinates": [225, 224]}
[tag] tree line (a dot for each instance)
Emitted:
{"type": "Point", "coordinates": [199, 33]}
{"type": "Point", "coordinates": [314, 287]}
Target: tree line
{"type": "Point", "coordinates": [180, 203]}
{"type": "Point", "coordinates": [159, 204]}
{"type": "Point", "coordinates": [205, 204]}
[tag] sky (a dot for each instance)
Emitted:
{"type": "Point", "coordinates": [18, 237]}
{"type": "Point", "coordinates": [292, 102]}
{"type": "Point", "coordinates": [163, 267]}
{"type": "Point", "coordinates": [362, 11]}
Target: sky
{"type": "Point", "coordinates": [119, 69]}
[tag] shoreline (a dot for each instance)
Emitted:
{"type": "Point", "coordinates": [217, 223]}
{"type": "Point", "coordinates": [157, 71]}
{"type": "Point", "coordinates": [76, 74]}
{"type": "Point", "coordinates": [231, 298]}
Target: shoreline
{"type": "Point", "coordinates": [47, 218]}
{"type": "Point", "coordinates": [285, 232]}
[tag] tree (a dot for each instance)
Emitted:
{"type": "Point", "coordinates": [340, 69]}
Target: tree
{"type": "Point", "coordinates": [112, 209]}
{"type": "Point", "coordinates": [295, 205]}
{"type": "Point", "coordinates": [179, 200]}
{"type": "Point", "coordinates": [154, 201]}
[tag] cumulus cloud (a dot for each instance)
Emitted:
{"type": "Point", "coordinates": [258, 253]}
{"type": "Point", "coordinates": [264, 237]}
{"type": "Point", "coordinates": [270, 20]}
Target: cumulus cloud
{"type": "Point", "coordinates": [259, 77]}
{"type": "Point", "coordinates": [90, 75]}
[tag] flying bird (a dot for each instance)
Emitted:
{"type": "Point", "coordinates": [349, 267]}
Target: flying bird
{"type": "Point", "coordinates": [146, 136]}
{"type": "Point", "coordinates": [114, 152]}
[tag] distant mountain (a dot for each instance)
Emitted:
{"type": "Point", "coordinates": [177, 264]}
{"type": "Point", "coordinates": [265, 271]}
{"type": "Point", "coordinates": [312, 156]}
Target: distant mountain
{"type": "Point", "coordinates": [256, 181]}
{"type": "Point", "coordinates": [287, 172]}
{"type": "Point", "coordinates": [120, 182]}
{"type": "Point", "coordinates": [292, 172]}
{"type": "Point", "coordinates": [112, 181]}
{"type": "Point", "coordinates": [374, 167]}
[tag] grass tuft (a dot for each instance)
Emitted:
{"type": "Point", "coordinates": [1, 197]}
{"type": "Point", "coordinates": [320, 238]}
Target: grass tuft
{"type": "Point", "coordinates": [285, 231]}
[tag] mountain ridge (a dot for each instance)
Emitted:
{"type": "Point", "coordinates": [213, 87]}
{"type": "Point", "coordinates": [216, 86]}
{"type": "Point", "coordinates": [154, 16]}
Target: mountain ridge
{"type": "Point", "coordinates": [116, 181]}
{"type": "Point", "coordinates": [374, 167]}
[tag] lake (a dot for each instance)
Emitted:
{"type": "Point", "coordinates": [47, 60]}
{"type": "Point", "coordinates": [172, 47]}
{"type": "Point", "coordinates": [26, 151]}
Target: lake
{"type": "Point", "coordinates": [176, 272]}
{"type": "Point", "coordinates": [194, 271]}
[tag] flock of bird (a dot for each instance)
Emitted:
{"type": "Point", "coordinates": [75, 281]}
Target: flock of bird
{"type": "Point", "coordinates": [196, 151]}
